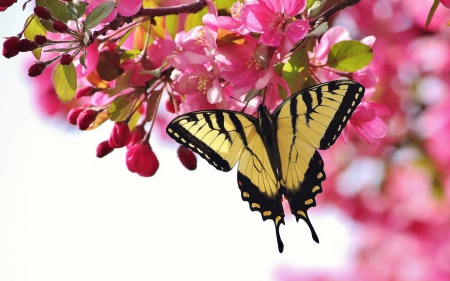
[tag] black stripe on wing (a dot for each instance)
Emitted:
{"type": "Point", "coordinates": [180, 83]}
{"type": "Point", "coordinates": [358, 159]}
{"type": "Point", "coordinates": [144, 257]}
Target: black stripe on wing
{"type": "Point", "coordinates": [304, 198]}
{"type": "Point", "coordinates": [350, 101]}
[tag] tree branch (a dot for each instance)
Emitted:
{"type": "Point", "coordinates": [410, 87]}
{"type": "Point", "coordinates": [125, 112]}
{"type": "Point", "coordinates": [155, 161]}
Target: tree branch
{"type": "Point", "coordinates": [119, 21]}
{"type": "Point", "coordinates": [333, 9]}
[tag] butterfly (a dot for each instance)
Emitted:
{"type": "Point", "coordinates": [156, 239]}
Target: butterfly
{"type": "Point", "coordinates": [277, 152]}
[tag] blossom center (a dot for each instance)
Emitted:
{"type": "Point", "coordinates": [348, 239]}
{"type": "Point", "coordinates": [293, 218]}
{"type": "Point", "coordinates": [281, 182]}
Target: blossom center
{"type": "Point", "coordinates": [252, 62]}
{"type": "Point", "coordinates": [277, 21]}
{"type": "Point", "coordinates": [203, 82]}
{"type": "Point", "coordinates": [236, 10]}
{"type": "Point", "coordinates": [200, 37]}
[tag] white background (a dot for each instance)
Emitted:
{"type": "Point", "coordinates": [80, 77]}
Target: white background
{"type": "Point", "coordinates": [66, 215]}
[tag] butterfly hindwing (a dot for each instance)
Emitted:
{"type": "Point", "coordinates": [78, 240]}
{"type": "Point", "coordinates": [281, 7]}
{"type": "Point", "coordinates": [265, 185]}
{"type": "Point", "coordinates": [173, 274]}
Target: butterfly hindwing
{"type": "Point", "coordinates": [259, 184]}
{"type": "Point", "coordinates": [309, 120]}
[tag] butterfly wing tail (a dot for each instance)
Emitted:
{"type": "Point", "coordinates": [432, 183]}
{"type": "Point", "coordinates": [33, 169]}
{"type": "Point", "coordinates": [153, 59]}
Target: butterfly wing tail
{"type": "Point", "coordinates": [301, 200]}
{"type": "Point", "coordinates": [270, 208]}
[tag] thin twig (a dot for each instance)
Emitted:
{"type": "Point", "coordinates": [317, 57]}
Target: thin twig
{"type": "Point", "coordinates": [336, 7]}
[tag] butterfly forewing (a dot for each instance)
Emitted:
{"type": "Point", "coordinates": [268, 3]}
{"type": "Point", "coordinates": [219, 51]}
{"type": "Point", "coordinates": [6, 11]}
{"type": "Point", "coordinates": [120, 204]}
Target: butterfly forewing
{"type": "Point", "coordinates": [217, 136]}
{"type": "Point", "coordinates": [309, 120]}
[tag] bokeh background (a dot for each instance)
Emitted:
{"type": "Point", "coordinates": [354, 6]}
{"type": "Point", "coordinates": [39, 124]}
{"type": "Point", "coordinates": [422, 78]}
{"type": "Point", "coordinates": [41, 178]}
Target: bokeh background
{"type": "Point", "coordinates": [384, 213]}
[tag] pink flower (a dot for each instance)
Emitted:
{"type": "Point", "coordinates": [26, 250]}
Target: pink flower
{"type": "Point", "coordinates": [275, 19]}
{"type": "Point", "coordinates": [90, 60]}
{"type": "Point", "coordinates": [141, 159]}
{"type": "Point", "coordinates": [233, 23]}
{"type": "Point", "coordinates": [366, 122]}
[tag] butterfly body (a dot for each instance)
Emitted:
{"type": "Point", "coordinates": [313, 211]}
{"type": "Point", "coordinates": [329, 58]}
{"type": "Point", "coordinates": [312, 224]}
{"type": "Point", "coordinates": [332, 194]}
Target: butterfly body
{"type": "Point", "coordinates": [276, 152]}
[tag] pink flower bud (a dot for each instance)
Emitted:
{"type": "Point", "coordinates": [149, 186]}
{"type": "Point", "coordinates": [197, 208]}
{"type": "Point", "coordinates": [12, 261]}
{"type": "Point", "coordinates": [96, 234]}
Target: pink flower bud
{"type": "Point", "coordinates": [137, 134]}
{"type": "Point", "coordinates": [446, 3]}
{"type": "Point", "coordinates": [65, 59]}
{"type": "Point", "coordinates": [187, 158]}
{"type": "Point", "coordinates": [42, 13]}
{"type": "Point", "coordinates": [85, 92]}
{"type": "Point", "coordinates": [86, 118]}
{"type": "Point", "coordinates": [73, 114]}
{"type": "Point", "coordinates": [11, 47]}
{"type": "Point", "coordinates": [36, 69]}
{"type": "Point", "coordinates": [119, 135]}
{"type": "Point", "coordinates": [103, 149]}
{"type": "Point", "coordinates": [141, 159]}
{"type": "Point", "coordinates": [26, 45]}
{"type": "Point", "coordinates": [60, 27]}
{"type": "Point", "coordinates": [40, 39]}
{"type": "Point", "coordinates": [7, 3]}
{"type": "Point", "coordinates": [170, 107]}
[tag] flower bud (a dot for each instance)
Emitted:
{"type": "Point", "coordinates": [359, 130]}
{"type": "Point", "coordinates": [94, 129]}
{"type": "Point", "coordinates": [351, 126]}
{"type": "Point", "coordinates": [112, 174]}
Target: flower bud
{"type": "Point", "coordinates": [85, 92]}
{"type": "Point", "coordinates": [170, 107]}
{"type": "Point", "coordinates": [60, 27]}
{"type": "Point", "coordinates": [7, 3]}
{"type": "Point", "coordinates": [73, 114]}
{"type": "Point", "coordinates": [26, 45]}
{"type": "Point", "coordinates": [11, 47]}
{"type": "Point", "coordinates": [65, 59]}
{"type": "Point", "coordinates": [40, 39]}
{"type": "Point", "coordinates": [103, 149]}
{"type": "Point", "coordinates": [141, 159]}
{"type": "Point", "coordinates": [86, 118]}
{"type": "Point", "coordinates": [137, 134]}
{"type": "Point", "coordinates": [187, 158]}
{"type": "Point", "coordinates": [446, 3]}
{"type": "Point", "coordinates": [119, 135]}
{"type": "Point", "coordinates": [36, 69]}
{"type": "Point", "coordinates": [42, 13]}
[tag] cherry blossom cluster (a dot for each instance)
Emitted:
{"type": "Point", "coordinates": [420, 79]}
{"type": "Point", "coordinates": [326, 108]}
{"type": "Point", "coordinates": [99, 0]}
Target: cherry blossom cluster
{"type": "Point", "coordinates": [119, 60]}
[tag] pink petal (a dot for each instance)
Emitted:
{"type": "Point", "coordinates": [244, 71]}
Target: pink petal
{"type": "Point", "coordinates": [274, 5]}
{"type": "Point", "coordinates": [214, 93]}
{"type": "Point", "coordinates": [90, 60]}
{"type": "Point", "coordinates": [294, 7]}
{"type": "Point", "coordinates": [363, 113]}
{"type": "Point", "coordinates": [128, 8]}
{"type": "Point", "coordinates": [366, 76]}
{"type": "Point", "coordinates": [297, 30]}
{"type": "Point", "coordinates": [380, 109]}
{"type": "Point", "coordinates": [272, 37]}
{"type": "Point", "coordinates": [255, 17]}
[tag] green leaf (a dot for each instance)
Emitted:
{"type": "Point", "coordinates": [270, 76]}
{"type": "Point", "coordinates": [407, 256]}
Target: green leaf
{"type": "Point", "coordinates": [119, 109]}
{"type": "Point", "coordinates": [295, 71]}
{"type": "Point", "coordinates": [83, 59]}
{"type": "Point", "coordinates": [108, 65]}
{"type": "Point", "coordinates": [309, 3]}
{"type": "Point", "coordinates": [152, 104]}
{"type": "Point", "coordinates": [100, 13]}
{"type": "Point", "coordinates": [431, 13]}
{"type": "Point", "coordinates": [65, 82]}
{"type": "Point", "coordinates": [57, 9]}
{"type": "Point", "coordinates": [34, 28]}
{"type": "Point", "coordinates": [193, 20]}
{"type": "Point", "coordinates": [349, 56]}
{"type": "Point", "coordinates": [172, 25]}
{"type": "Point", "coordinates": [75, 10]}
{"type": "Point", "coordinates": [224, 4]}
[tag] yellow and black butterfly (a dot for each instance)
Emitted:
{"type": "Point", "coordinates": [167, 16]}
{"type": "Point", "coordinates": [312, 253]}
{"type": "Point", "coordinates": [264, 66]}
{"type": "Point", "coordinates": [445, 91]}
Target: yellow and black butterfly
{"type": "Point", "coordinates": [276, 152]}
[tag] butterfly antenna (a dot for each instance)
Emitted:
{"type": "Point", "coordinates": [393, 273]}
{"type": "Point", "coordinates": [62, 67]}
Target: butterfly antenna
{"type": "Point", "coordinates": [266, 92]}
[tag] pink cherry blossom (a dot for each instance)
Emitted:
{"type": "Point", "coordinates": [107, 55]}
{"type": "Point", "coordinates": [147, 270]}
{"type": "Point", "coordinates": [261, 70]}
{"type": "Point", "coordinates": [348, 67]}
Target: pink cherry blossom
{"type": "Point", "coordinates": [367, 123]}
{"type": "Point", "coordinates": [275, 19]}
